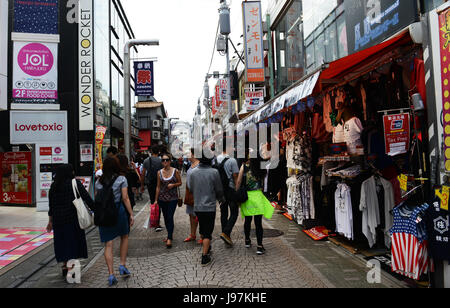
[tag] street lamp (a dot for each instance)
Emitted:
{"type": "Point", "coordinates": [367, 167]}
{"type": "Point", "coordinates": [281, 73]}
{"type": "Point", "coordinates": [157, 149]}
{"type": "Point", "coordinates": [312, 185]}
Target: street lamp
{"type": "Point", "coordinates": [225, 29]}
{"type": "Point", "coordinates": [127, 85]}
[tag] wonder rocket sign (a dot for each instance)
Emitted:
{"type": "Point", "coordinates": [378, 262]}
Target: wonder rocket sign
{"type": "Point", "coordinates": [86, 66]}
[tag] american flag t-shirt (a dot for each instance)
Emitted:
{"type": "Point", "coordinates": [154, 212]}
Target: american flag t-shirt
{"type": "Point", "coordinates": [409, 244]}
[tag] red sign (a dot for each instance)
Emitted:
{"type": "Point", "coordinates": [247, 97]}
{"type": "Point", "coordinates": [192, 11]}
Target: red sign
{"type": "Point", "coordinates": [396, 133]}
{"type": "Point", "coordinates": [16, 172]}
{"type": "Point", "coordinates": [46, 151]}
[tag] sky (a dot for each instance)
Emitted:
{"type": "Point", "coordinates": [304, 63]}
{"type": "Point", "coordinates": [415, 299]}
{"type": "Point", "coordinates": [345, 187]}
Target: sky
{"type": "Point", "coordinates": [186, 30]}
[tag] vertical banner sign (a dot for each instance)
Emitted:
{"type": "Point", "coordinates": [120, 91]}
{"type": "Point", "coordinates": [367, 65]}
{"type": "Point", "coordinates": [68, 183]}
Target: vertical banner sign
{"type": "Point", "coordinates": [396, 133]}
{"type": "Point", "coordinates": [16, 175]}
{"type": "Point", "coordinates": [99, 137]}
{"type": "Point", "coordinates": [35, 73]}
{"type": "Point", "coordinates": [253, 41]}
{"type": "Point", "coordinates": [213, 104]}
{"type": "Point", "coordinates": [444, 35]}
{"type": "Point", "coordinates": [369, 22]}
{"type": "Point", "coordinates": [223, 86]}
{"type": "Point", "coordinates": [86, 66]}
{"type": "Point", "coordinates": [36, 16]}
{"type": "Point", "coordinates": [3, 54]}
{"type": "Point", "coordinates": [254, 99]}
{"type": "Point", "coordinates": [144, 76]}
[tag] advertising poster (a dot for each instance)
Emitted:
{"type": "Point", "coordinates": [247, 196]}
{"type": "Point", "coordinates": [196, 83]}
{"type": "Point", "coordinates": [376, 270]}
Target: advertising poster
{"type": "Point", "coordinates": [99, 137]}
{"type": "Point", "coordinates": [254, 99]}
{"type": "Point", "coordinates": [86, 153]}
{"type": "Point", "coordinates": [444, 35]}
{"type": "Point", "coordinates": [35, 73]}
{"type": "Point", "coordinates": [16, 178]}
{"type": "Point", "coordinates": [144, 85]}
{"type": "Point", "coordinates": [36, 16]}
{"type": "Point", "coordinates": [369, 22]}
{"type": "Point", "coordinates": [253, 41]}
{"type": "Point", "coordinates": [3, 54]}
{"type": "Point", "coordinates": [396, 133]}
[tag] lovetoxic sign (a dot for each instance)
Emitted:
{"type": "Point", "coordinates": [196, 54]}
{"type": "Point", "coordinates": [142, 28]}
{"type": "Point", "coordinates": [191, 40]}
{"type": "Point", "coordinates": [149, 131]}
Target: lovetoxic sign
{"type": "Point", "coordinates": [35, 75]}
{"type": "Point", "coordinates": [31, 127]}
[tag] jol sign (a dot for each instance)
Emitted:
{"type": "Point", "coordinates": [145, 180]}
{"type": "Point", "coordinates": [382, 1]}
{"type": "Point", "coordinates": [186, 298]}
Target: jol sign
{"type": "Point", "coordinates": [253, 41]}
{"type": "Point", "coordinates": [396, 133]}
{"type": "Point", "coordinates": [35, 73]}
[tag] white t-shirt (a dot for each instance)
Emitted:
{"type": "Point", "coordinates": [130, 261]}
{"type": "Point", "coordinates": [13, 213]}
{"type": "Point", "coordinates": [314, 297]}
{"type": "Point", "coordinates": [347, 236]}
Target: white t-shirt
{"type": "Point", "coordinates": [344, 211]}
{"type": "Point", "coordinates": [352, 134]}
{"type": "Point", "coordinates": [338, 134]}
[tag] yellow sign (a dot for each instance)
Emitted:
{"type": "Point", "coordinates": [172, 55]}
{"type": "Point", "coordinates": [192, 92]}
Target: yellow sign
{"type": "Point", "coordinates": [403, 179]}
{"type": "Point", "coordinates": [444, 196]}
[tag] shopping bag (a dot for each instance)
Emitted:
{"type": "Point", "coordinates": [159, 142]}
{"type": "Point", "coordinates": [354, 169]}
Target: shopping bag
{"type": "Point", "coordinates": [154, 215]}
{"type": "Point", "coordinates": [85, 216]}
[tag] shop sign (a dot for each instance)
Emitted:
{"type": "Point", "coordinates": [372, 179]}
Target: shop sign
{"type": "Point", "coordinates": [99, 138]}
{"type": "Point", "coordinates": [396, 133]}
{"type": "Point", "coordinates": [16, 175]}
{"type": "Point", "coordinates": [35, 73]}
{"type": "Point", "coordinates": [86, 153]}
{"type": "Point", "coordinates": [223, 90]}
{"type": "Point", "coordinates": [86, 67]}
{"type": "Point", "coordinates": [32, 127]}
{"type": "Point", "coordinates": [3, 54]}
{"type": "Point", "coordinates": [444, 35]}
{"type": "Point", "coordinates": [253, 41]}
{"type": "Point", "coordinates": [254, 99]}
{"type": "Point", "coordinates": [144, 76]}
{"type": "Point", "coordinates": [36, 16]}
{"type": "Point", "coordinates": [370, 22]}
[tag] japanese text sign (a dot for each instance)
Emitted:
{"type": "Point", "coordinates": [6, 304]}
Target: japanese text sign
{"type": "Point", "coordinates": [143, 74]}
{"type": "Point", "coordinates": [253, 41]}
{"type": "Point", "coordinates": [396, 133]}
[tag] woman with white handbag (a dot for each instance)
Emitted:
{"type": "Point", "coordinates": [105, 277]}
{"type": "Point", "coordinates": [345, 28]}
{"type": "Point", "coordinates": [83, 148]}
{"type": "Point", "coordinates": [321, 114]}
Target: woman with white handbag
{"type": "Point", "coordinates": [67, 218]}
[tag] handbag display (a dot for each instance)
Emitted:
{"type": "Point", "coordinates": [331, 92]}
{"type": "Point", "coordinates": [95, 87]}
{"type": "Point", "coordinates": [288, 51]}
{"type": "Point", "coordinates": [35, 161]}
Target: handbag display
{"type": "Point", "coordinates": [85, 216]}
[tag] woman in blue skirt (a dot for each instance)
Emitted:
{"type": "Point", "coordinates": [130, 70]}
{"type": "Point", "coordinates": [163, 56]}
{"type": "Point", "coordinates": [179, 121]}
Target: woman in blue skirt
{"type": "Point", "coordinates": [111, 171]}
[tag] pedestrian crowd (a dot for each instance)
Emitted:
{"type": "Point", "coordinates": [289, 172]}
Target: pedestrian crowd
{"type": "Point", "coordinates": [235, 185]}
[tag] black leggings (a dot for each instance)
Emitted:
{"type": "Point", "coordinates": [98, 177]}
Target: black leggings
{"type": "Point", "coordinates": [259, 228]}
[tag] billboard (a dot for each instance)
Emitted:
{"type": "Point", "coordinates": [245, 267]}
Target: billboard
{"type": "Point", "coordinates": [144, 78]}
{"type": "Point", "coordinates": [253, 41]}
{"type": "Point", "coordinates": [35, 73]}
{"type": "Point", "coordinates": [36, 16]}
{"type": "Point", "coordinates": [16, 175]}
{"type": "Point", "coordinates": [370, 22]}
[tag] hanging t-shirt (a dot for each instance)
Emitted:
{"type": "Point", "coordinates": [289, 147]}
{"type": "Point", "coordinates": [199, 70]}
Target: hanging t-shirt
{"type": "Point", "coordinates": [338, 134]}
{"type": "Point", "coordinates": [343, 209]}
{"type": "Point", "coordinates": [352, 135]}
{"type": "Point", "coordinates": [438, 228]}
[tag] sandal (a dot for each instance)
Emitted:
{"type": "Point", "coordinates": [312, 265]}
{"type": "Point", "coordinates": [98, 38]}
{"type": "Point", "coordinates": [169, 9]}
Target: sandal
{"type": "Point", "coordinates": [190, 239]}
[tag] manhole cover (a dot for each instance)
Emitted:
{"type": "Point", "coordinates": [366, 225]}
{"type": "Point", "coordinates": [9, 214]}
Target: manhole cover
{"type": "Point", "coordinates": [268, 233]}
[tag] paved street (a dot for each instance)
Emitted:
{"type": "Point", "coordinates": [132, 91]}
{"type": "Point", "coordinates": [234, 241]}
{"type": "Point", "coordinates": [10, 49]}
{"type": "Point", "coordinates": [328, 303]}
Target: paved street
{"type": "Point", "coordinates": [292, 261]}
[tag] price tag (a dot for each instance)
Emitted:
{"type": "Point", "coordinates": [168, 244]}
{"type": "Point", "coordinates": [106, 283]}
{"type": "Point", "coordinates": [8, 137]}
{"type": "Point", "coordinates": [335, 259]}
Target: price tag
{"type": "Point", "coordinates": [403, 179]}
{"type": "Point", "coordinates": [444, 196]}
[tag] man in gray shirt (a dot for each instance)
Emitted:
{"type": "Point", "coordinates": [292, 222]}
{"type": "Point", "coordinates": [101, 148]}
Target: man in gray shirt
{"type": "Point", "coordinates": [229, 209]}
{"type": "Point", "coordinates": [205, 184]}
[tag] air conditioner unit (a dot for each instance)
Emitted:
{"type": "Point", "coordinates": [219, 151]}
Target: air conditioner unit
{"type": "Point", "coordinates": [156, 124]}
{"type": "Point", "coordinates": [156, 135]}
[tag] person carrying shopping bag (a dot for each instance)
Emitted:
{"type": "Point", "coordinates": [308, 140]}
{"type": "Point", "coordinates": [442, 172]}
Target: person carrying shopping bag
{"type": "Point", "coordinates": [111, 178]}
{"type": "Point", "coordinates": [68, 238]}
{"type": "Point", "coordinates": [257, 206]}
{"type": "Point", "coordinates": [169, 180]}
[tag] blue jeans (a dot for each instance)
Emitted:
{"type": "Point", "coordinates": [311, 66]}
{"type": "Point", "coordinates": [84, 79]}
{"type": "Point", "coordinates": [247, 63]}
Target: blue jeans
{"type": "Point", "coordinates": [168, 209]}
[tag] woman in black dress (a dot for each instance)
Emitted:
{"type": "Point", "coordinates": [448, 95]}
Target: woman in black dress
{"type": "Point", "coordinates": [68, 238]}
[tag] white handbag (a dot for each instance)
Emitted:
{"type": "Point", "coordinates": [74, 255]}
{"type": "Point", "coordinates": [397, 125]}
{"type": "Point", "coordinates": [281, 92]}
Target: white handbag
{"type": "Point", "coordinates": [85, 217]}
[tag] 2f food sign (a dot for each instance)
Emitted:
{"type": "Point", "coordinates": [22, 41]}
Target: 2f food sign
{"type": "Point", "coordinates": [253, 40]}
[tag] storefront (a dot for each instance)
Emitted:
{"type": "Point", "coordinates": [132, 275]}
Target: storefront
{"type": "Point", "coordinates": [355, 147]}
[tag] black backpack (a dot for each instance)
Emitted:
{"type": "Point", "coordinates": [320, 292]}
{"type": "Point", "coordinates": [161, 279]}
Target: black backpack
{"type": "Point", "coordinates": [106, 213]}
{"type": "Point", "coordinates": [223, 175]}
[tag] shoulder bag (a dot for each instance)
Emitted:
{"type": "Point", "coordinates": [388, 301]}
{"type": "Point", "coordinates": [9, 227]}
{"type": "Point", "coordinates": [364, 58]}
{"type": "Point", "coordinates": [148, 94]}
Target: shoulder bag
{"type": "Point", "coordinates": [85, 217]}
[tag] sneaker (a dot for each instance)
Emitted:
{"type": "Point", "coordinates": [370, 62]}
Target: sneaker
{"type": "Point", "coordinates": [206, 260]}
{"type": "Point", "coordinates": [124, 272]}
{"type": "Point", "coordinates": [248, 243]}
{"type": "Point", "coordinates": [226, 239]}
{"type": "Point", "coordinates": [158, 229]}
{"type": "Point", "coordinates": [261, 250]}
{"type": "Point", "coordinates": [112, 280]}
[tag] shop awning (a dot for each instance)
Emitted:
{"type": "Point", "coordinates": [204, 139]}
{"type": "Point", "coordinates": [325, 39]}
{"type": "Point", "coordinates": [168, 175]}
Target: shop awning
{"type": "Point", "coordinates": [342, 66]}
